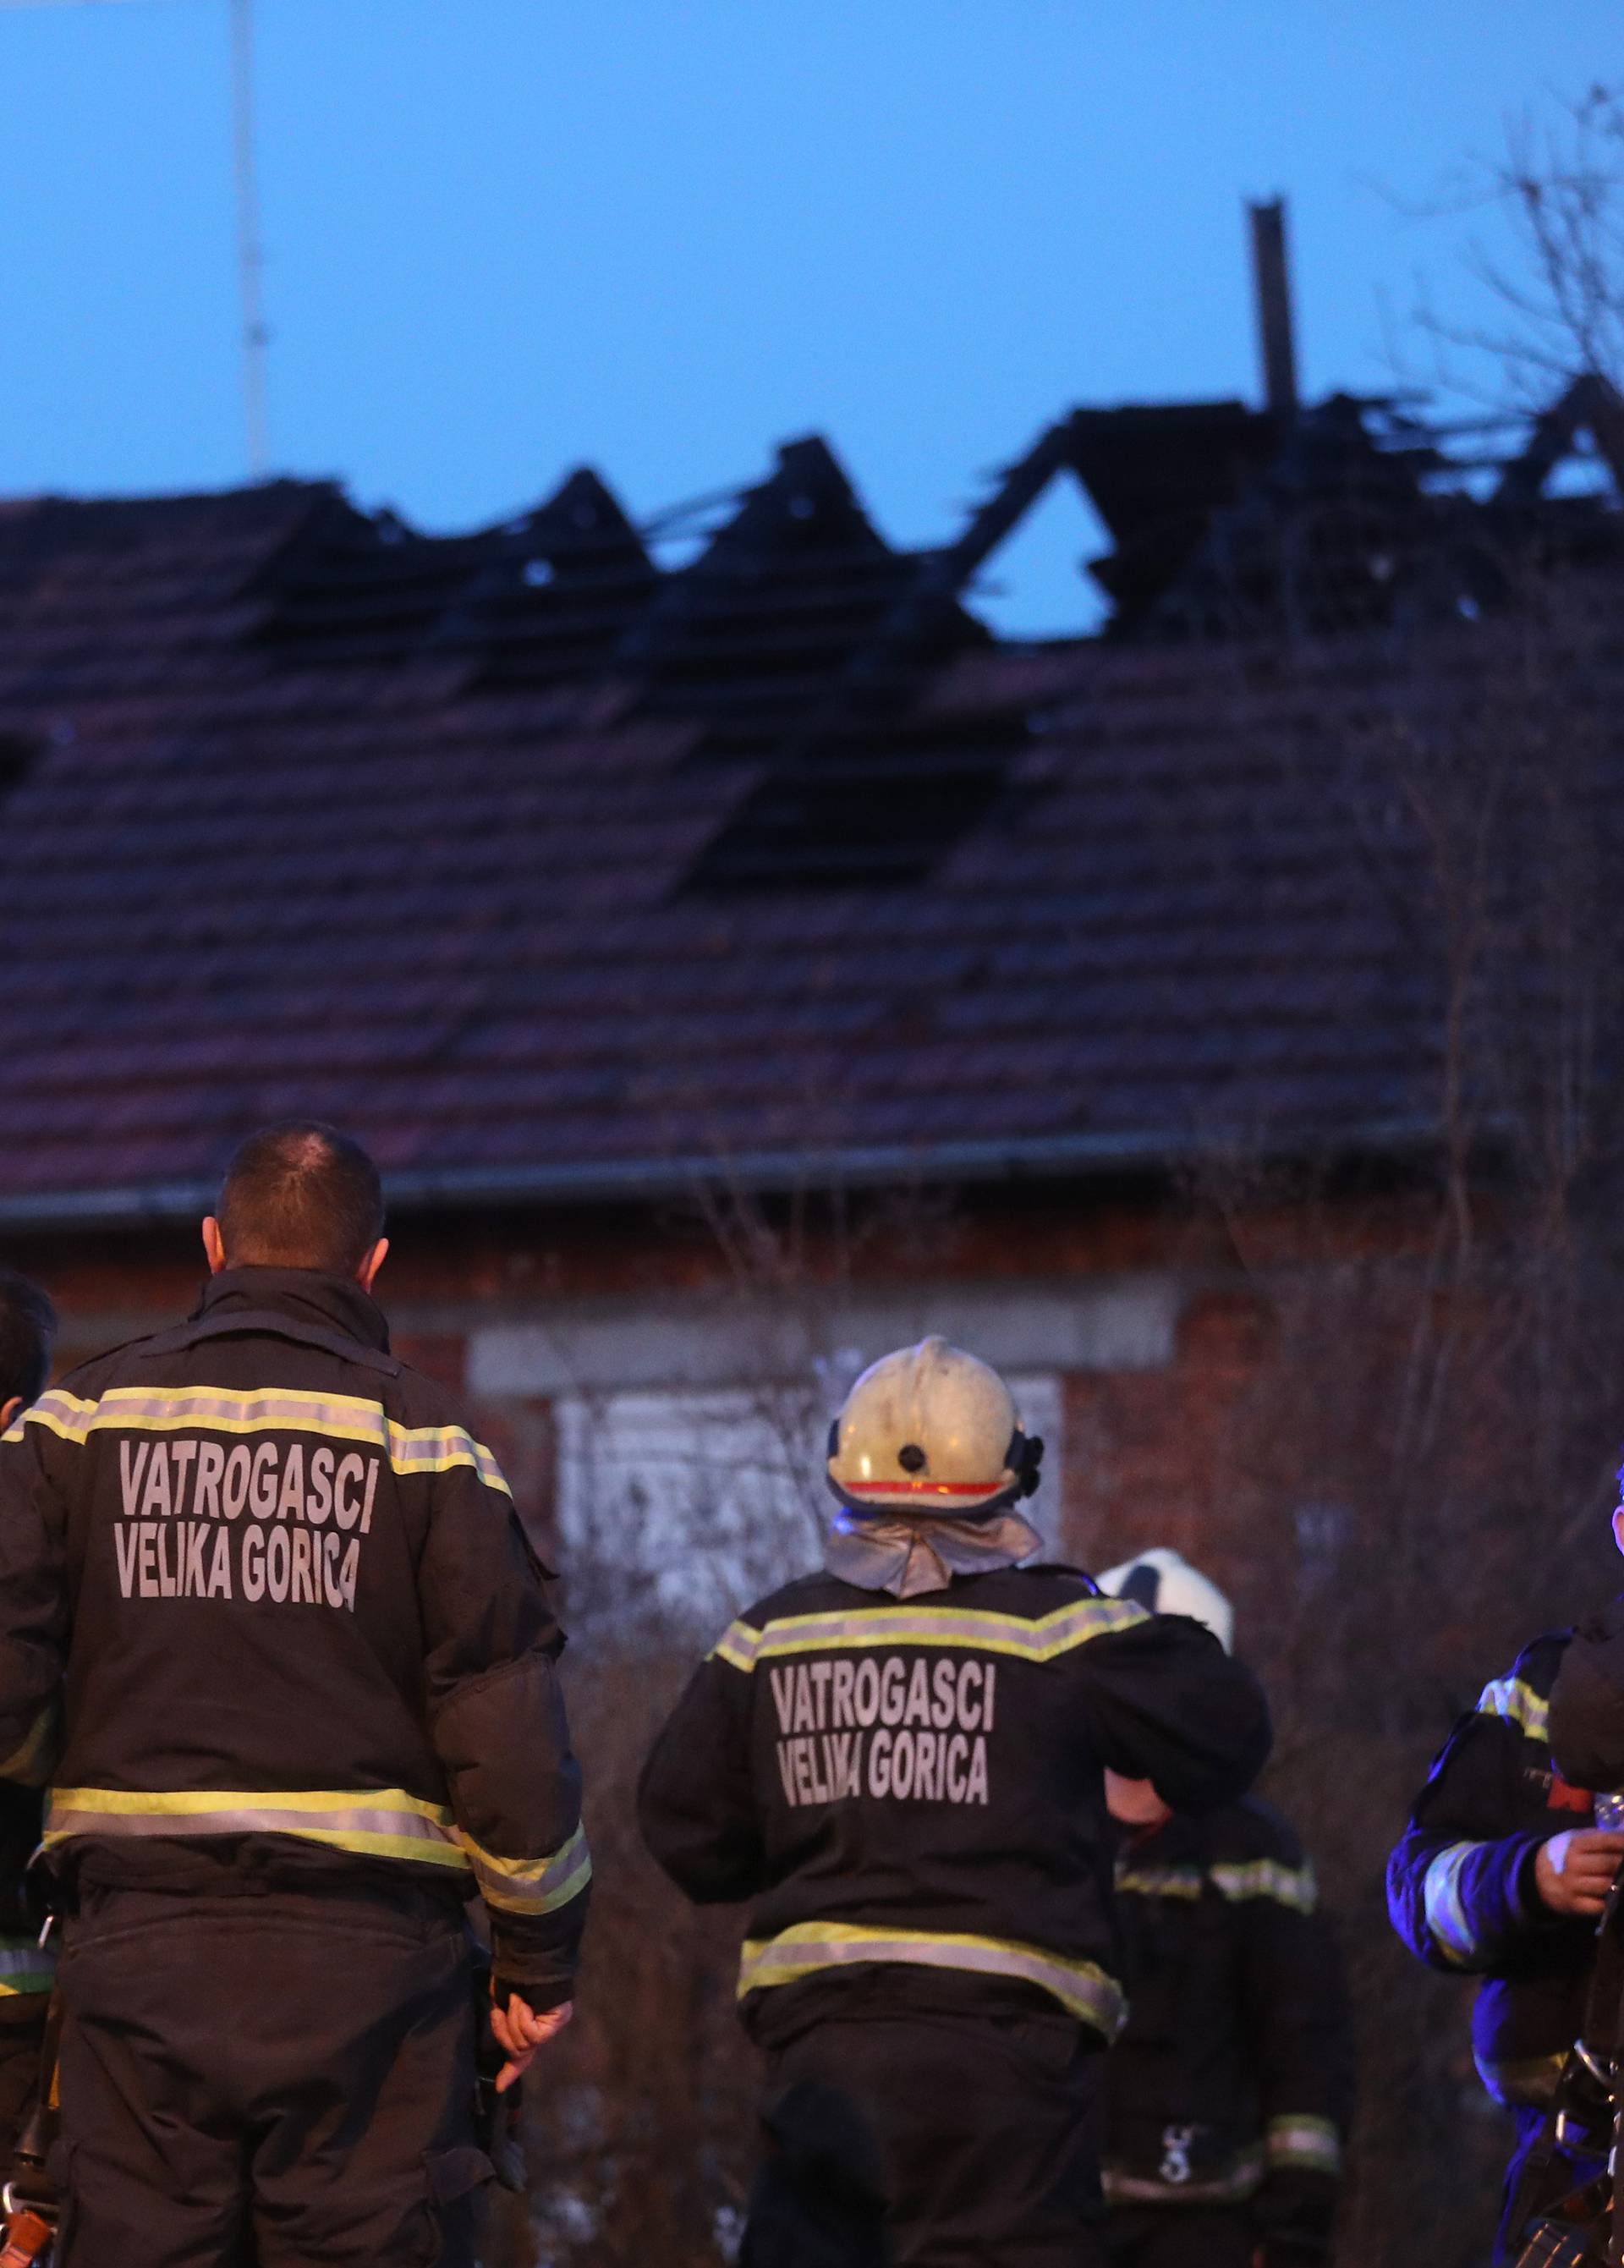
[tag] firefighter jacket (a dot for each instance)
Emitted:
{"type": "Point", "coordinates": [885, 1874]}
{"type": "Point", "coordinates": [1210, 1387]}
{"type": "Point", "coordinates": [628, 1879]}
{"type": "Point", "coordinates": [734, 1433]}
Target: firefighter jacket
{"type": "Point", "coordinates": [1233, 2081]}
{"type": "Point", "coordinates": [1460, 1884]}
{"type": "Point", "coordinates": [916, 1787]}
{"type": "Point", "coordinates": [292, 1622]}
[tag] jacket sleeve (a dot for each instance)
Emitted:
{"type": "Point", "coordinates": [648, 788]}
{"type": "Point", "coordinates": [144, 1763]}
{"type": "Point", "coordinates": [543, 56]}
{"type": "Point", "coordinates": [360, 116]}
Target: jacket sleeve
{"type": "Point", "coordinates": [1166, 1703]}
{"type": "Point", "coordinates": [1587, 1703]}
{"type": "Point", "coordinates": [34, 1604]}
{"type": "Point", "coordinates": [1300, 2029]}
{"type": "Point", "coordinates": [496, 1718]}
{"type": "Point", "coordinates": [1461, 1888]}
{"type": "Point", "coordinates": [695, 1800]}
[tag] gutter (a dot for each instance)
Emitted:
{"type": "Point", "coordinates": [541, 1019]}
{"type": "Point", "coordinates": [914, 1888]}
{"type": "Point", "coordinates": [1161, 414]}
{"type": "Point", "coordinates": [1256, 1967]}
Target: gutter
{"type": "Point", "coordinates": [645, 1180]}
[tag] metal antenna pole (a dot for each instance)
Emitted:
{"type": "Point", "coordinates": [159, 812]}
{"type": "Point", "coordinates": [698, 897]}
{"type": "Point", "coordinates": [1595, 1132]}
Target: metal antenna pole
{"type": "Point", "coordinates": [250, 252]}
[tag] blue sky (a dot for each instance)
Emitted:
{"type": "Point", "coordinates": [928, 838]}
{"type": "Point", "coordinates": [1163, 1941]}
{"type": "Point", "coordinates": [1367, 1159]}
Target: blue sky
{"type": "Point", "coordinates": [505, 237]}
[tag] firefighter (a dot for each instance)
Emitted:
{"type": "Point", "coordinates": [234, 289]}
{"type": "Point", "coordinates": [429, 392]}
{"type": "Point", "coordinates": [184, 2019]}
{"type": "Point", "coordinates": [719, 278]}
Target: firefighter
{"type": "Point", "coordinates": [305, 1659]}
{"type": "Point", "coordinates": [1227, 2095]}
{"type": "Point", "coordinates": [1501, 1875]}
{"type": "Point", "coordinates": [28, 1333]}
{"type": "Point", "coordinates": [900, 1760]}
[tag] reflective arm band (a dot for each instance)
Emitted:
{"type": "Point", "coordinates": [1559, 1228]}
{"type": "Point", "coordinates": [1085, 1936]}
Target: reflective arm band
{"type": "Point", "coordinates": [1267, 1878]}
{"type": "Point", "coordinates": [1446, 1917]}
{"type": "Point", "coordinates": [1311, 2144]}
{"type": "Point", "coordinates": [531, 1885]}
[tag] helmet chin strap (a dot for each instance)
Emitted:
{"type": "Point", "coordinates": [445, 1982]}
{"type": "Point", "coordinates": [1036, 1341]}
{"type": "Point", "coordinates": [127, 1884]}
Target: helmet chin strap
{"type": "Point", "coordinates": [888, 1552]}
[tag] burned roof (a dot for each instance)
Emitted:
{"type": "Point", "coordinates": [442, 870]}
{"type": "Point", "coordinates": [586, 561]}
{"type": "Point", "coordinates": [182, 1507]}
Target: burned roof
{"type": "Point", "coordinates": [552, 870]}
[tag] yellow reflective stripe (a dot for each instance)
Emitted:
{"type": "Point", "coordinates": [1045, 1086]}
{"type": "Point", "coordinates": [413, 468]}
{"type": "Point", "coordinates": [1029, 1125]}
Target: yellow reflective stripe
{"type": "Point", "coordinates": [1159, 1881]}
{"type": "Point", "coordinates": [1297, 2139]}
{"type": "Point", "coordinates": [811, 1947]}
{"type": "Point", "coordinates": [1451, 1933]}
{"type": "Point", "coordinates": [1531, 2080]}
{"type": "Point", "coordinates": [25, 1968]}
{"type": "Point", "coordinates": [1244, 2179]}
{"type": "Point", "coordinates": [1267, 1878]}
{"type": "Point", "coordinates": [382, 1823]}
{"type": "Point", "coordinates": [1514, 1698]}
{"type": "Point", "coordinates": [410, 1449]}
{"type": "Point", "coordinates": [59, 1412]}
{"type": "Point", "coordinates": [531, 1885]}
{"type": "Point", "coordinates": [31, 1761]}
{"type": "Point", "coordinates": [1042, 1640]}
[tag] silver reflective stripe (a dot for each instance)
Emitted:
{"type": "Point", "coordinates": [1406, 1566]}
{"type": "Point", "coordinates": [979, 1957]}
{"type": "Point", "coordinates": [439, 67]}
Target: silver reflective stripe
{"type": "Point", "coordinates": [1446, 1917]}
{"type": "Point", "coordinates": [1051, 1635]}
{"type": "Point", "coordinates": [531, 1886]}
{"type": "Point", "coordinates": [810, 1947]}
{"type": "Point", "coordinates": [378, 1822]}
{"type": "Point", "coordinates": [410, 1449]}
{"type": "Point", "coordinates": [1299, 2139]}
{"type": "Point", "coordinates": [1243, 2179]}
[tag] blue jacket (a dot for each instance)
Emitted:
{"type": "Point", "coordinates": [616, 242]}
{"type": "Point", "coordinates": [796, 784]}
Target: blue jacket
{"type": "Point", "coordinates": [1460, 1884]}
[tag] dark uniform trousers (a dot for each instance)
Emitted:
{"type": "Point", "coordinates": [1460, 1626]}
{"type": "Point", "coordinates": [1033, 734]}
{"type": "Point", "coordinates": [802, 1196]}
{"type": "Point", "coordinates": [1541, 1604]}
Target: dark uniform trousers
{"type": "Point", "coordinates": [281, 2078]}
{"type": "Point", "coordinates": [1182, 2236]}
{"type": "Point", "coordinates": [929, 2141]}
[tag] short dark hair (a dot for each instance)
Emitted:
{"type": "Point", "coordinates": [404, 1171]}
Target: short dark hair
{"type": "Point", "coordinates": [301, 1195]}
{"type": "Point", "coordinates": [27, 1334]}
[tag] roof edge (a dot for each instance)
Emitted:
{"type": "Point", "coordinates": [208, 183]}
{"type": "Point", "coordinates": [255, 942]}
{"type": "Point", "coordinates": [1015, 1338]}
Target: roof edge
{"type": "Point", "coordinates": [455, 1188]}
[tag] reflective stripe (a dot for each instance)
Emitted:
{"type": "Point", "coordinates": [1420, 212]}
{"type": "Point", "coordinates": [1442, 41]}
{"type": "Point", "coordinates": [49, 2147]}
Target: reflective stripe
{"type": "Point", "coordinates": [742, 1646]}
{"type": "Point", "coordinates": [1295, 2140]}
{"type": "Point", "coordinates": [1267, 1878]}
{"type": "Point", "coordinates": [531, 1885]}
{"type": "Point", "coordinates": [1159, 1881]}
{"type": "Point", "coordinates": [1513, 1697]}
{"type": "Point", "coordinates": [381, 1823]}
{"type": "Point", "coordinates": [31, 1761]}
{"type": "Point", "coordinates": [25, 1968]}
{"type": "Point", "coordinates": [1528, 2081]}
{"type": "Point", "coordinates": [410, 1449]}
{"type": "Point", "coordinates": [1446, 1917]}
{"type": "Point", "coordinates": [1243, 2180]}
{"type": "Point", "coordinates": [810, 1946]}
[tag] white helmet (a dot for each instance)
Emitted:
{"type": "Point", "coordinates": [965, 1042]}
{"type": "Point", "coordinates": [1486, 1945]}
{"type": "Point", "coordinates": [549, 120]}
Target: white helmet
{"type": "Point", "coordinates": [930, 1430]}
{"type": "Point", "coordinates": [1168, 1584]}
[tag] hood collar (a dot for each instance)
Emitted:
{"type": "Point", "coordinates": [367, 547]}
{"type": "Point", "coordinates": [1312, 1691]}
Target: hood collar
{"type": "Point", "coordinates": [909, 1557]}
{"type": "Point", "coordinates": [309, 1293]}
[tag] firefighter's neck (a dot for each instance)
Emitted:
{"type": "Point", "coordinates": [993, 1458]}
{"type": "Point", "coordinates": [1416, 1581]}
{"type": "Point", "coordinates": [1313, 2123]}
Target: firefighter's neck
{"type": "Point", "coordinates": [1135, 1802]}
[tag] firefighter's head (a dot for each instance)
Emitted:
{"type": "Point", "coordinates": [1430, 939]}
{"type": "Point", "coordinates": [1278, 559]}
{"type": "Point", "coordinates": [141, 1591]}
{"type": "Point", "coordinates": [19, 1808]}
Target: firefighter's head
{"type": "Point", "coordinates": [1163, 1582]}
{"type": "Point", "coordinates": [930, 1433]}
{"type": "Point", "coordinates": [28, 1333]}
{"type": "Point", "coordinates": [300, 1194]}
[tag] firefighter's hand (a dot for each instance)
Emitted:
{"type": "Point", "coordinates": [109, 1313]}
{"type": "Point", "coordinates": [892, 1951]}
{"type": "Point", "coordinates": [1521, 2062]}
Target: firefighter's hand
{"type": "Point", "coordinates": [519, 2032]}
{"type": "Point", "coordinates": [1572, 1873]}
